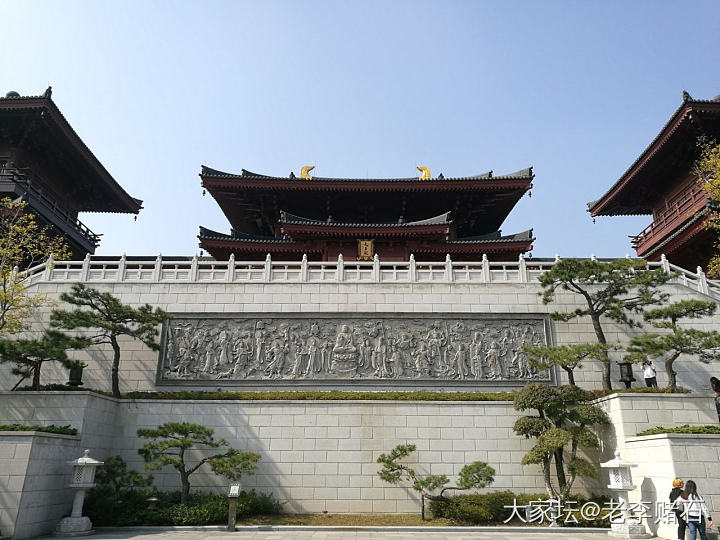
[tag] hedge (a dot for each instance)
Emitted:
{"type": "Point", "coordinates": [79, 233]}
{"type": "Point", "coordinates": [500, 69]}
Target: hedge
{"type": "Point", "coordinates": [696, 430]}
{"type": "Point", "coordinates": [60, 430]}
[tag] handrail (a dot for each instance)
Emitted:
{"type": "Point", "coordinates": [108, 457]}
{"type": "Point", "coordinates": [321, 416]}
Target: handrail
{"type": "Point", "coordinates": [206, 270]}
{"type": "Point", "coordinates": [18, 177]}
{"type": "Point", "coordinates": [665, 219]}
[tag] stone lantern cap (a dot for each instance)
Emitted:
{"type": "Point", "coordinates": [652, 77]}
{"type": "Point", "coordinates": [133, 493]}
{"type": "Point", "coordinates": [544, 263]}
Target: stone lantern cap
{"type": "Point", "coordinates": [618, 462]}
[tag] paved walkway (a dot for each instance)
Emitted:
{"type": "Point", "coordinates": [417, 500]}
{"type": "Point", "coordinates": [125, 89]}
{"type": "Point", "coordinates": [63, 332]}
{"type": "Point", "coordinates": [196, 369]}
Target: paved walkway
{"type": "Point", "coordinates": [285, 533]}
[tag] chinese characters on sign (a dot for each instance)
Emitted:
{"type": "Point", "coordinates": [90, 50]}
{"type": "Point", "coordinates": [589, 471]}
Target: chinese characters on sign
{"type": "Point", "coordinates": [568, 512]}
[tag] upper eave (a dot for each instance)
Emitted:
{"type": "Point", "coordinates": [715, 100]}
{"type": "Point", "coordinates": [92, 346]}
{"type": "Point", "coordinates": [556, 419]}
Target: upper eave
{"type": "Point", "coordinates": [597, 207]}
{"type": "Point", "coordinates": [212, 178]}
{"type": "Point", "coordinates": [124, 202]}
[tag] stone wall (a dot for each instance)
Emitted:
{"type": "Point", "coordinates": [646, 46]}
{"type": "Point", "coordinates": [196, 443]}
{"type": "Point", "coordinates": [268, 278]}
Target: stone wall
{"type": "Point", "coordinates": [139, 366]}
{"type": "Point", "coordinates": [34, 478]}
{"type": "Point", "coordinates": [661, 458]}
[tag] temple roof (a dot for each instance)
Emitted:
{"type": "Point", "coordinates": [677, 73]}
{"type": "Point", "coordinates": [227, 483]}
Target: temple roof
{"type": "Point", "coordinates": [57, 140]}
{"type": "Point", "coordinates": [672, 151]}
{"type": "Point", "coordinates": [208, 172]}
{"type": "Point", "coordinates": [442, 219]}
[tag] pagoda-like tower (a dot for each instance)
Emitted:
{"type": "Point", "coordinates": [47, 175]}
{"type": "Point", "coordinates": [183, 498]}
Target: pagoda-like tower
{"type": "Point", "coordinates": [44, 162]}
{"type": "Point", "coordinates": [360, 217]}
{"type": "Point", "coordinates": [661, 183]}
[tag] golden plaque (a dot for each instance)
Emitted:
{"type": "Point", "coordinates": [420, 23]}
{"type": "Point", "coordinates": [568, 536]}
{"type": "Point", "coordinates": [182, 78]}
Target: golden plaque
{"type": "Point", "coordinates": [366, 250]}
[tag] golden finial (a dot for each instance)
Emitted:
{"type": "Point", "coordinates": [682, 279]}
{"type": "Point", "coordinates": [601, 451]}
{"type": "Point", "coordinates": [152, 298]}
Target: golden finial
{"type": "Point", "coordinates": [305, 172]}
{"type": "Point", "coordinates": [425, 173]}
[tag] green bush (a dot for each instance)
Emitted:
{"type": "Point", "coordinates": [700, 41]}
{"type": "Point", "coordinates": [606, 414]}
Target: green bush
{"type": "Point", "coordinates": [681, 429]}
{"type": "Point", "coordinates": [202, 509]}
{"type": "Point", "coordinates": [60, 430]}
{"type": "Point", "coordinates": [596, 394]}
{"type": "Point", "coordinates": [490, 508]}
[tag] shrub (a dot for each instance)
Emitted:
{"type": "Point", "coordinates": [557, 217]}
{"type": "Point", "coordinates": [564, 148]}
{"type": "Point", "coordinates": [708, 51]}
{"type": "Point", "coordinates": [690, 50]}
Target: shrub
{"type": "Point", "coordinates": [681, 429]}
{"type": "Point", "coordinates": [60, 430]}
{"type": "Point", "coordinates": [201, 509]}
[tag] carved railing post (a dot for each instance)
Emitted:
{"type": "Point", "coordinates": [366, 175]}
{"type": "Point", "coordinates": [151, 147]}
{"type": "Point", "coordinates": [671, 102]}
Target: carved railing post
{"type": "Point", "coordinates": [413, 269]}
{"type": "Point", "coordinates": [121, 268]}
{"type": "Point", "coordinates": [522, 269]}
{"type": "Point", "coordinates": [157, 270]}
{"type": "Point", "coordinates": [267, 271]}
{"type": "Point", "coordinates": [230, 276]}
{"type": "Point", "coordinates": [448, 269]}
{"type": "Point", "coordinates": [49, 264]}
{"type": "Point", "coordinates": [485, 268]}
{"type": "Point", "coordinates": [85, 268]}
{"type": "Point", "coordinates": [702, 281]}
{"type": "Point", "coordinates": [376, 267]}
{"type": "Point", "coordinates": [664, 264]}
{"type": "Point", "coordinates": [194, 268]}
{"type": "Point", "coordinates": [304, 268]}
{"type": "Point", "coordinates": [340, 271]}
{"type": "Point", "coordinates": [593, 257]}
{"type": "Point", "coordinates": [557, 257]}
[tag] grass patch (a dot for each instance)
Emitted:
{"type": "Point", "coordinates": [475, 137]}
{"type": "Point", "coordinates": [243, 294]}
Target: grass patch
{"type": "Point", "coordinates": [60, 430]}
{"type": "Point", "coordinates": [695, 430]}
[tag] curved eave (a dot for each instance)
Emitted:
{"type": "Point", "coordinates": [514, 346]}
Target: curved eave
{"type": "Point", "coordinates": [285, 184]}
{"type": "Point", "coordinates": [598, 207]}
{"type": "Point", "coordinates": [126, 203]}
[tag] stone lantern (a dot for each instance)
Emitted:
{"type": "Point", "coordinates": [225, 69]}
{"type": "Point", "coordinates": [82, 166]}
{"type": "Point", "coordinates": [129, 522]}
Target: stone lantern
{"type": "Point", "coordinates": [626, 525]}
{"type": "Point", "coordinates": [83, 478]}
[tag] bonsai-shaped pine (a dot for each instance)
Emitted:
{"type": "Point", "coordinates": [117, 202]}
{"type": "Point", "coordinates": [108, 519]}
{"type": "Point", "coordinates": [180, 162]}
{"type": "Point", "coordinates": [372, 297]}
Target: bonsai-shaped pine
{"type": "Point", "coordinates": [561, 427]}
{"type": "Point", "coordinates": [704, 344]}
{"type": "Point", "coordinates": [611, 289]}
{"type": "Point", "coordinates": [29, 355]}
{"type": "Point", "coordinates": [173, 442]}
{"type": "Point", "coordinates": [24, 243]}
{"type": "Point", "coordinates": [104, 318]}
{"type": "Point", "coordinates": [474, 475]}
{"type": "Point", "coordinates": [567, 357]}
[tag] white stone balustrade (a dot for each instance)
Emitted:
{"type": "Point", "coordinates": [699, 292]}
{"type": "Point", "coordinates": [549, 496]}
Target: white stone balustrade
{"type": "Point", "coordinates": [195, 269]}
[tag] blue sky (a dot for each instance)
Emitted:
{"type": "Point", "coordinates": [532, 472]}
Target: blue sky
{"type": "Point", "coordinates": [158, 88]}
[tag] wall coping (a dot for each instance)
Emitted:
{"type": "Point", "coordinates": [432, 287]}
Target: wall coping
{"type": "Point", "coordinates": [39, 434]}
{"type": "Point", "coordinates": [682, 436]}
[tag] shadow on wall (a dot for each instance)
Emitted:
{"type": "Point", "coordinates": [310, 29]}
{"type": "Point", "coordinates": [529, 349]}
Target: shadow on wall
{"type": "Point", "coordinates": [648, 494]}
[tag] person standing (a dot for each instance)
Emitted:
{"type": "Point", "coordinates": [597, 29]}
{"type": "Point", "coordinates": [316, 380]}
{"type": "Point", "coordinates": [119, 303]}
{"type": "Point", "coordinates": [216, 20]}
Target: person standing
{"type": "Point", "coordinates": [674, 494]}
{"type": "Point", "coordinates": [694, 511]}
{"type": "Point", "coordinates": [649, 373]}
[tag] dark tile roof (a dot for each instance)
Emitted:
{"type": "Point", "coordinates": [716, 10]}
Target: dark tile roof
{"type": "Point", "coordinates": [208, 172]}
{"type": "Point", "coordinates": [687, 103]}
{"type": "Point", "coordinates": [442, 219]}
{"type": "Point", "coordinates": [209, 234]}
{"type": "Point", "coordinates": [525, 236]}
{"type": "Point", "coordinates": [44, 102]}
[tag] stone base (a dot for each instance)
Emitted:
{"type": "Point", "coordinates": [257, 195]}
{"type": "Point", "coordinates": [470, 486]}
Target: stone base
{"type": "Point", "coordinates": [628, 530]}
{"type": "Point", "coordinates": [74, 526]}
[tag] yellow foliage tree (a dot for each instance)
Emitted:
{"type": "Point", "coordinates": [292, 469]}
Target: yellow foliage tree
{"type": "Point", "coordinates": [708, 170]}
{"type": "Point", "coordinates": [24, 243]}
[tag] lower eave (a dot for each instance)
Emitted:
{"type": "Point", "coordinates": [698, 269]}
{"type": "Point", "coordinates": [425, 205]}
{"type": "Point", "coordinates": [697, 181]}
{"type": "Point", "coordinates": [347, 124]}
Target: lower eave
{"type": "Point", "coordinates": [319, 231]}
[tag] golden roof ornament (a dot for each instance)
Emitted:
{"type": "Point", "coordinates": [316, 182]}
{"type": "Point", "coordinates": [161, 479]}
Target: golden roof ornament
{"type": "Point", "coordinates": [305, 172]}
{"type": "Point", "coordinates": [425, 173]}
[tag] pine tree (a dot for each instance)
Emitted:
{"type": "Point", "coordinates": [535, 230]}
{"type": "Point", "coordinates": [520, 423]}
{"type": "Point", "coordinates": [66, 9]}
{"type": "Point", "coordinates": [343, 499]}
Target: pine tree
{"type": "Point", "coordinates": [173, 442]}
{"type": "Point", "coordinates": [705, 344]}
{"type": "Point", "coordinates": [103, 318]}
{"type": "Point", "coordinates": [609, 289]}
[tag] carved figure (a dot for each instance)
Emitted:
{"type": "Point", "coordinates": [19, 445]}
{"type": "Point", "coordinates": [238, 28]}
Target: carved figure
{"type": "Point", "coordinates": [403, 348]}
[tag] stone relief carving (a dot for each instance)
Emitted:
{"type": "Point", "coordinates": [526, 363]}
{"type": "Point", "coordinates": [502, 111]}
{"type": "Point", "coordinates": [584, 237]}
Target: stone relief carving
{"type": "Point", "coordinates": [268, 348]}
